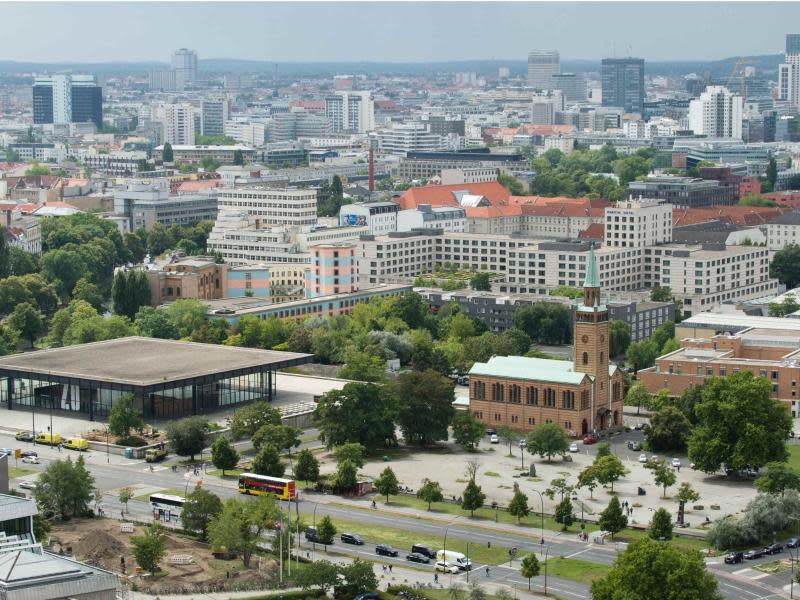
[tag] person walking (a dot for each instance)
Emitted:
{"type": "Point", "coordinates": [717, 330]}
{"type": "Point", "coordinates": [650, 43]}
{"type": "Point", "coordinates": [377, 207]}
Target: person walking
{"type": "Point", "coordinates": [487, 570]}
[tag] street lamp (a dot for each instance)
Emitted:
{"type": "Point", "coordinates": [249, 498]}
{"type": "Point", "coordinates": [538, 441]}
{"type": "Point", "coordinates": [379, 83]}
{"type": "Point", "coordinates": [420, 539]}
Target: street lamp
{"type": "Point", "coordinates": [541, 498]}
{"type": "Point", "coordinates": [791, 583]}
{"type": "Point", "coordinates": [547, 551]}
{"type": "Point", "coordinates": [314, 521]}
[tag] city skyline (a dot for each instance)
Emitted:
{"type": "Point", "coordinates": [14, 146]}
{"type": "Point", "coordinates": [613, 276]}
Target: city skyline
{"type": "Point", "coordinates": [325, 31]}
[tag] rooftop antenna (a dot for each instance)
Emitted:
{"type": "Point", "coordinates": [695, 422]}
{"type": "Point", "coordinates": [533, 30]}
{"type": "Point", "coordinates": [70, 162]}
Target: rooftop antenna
{"type": "Point", "coordinates": [275, 74]}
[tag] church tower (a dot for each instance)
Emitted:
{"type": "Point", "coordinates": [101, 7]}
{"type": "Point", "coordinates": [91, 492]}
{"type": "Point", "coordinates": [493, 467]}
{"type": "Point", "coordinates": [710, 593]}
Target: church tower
{"type": "Point", "coordinates": [591, 343]}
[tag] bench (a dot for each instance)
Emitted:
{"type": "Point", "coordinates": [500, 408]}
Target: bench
{"type": "Point", "coordinates": [181, 559]}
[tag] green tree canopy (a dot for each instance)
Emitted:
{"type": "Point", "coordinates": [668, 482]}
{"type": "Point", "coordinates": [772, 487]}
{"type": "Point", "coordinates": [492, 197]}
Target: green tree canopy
{"type": "Point", "coordinates": [619, 337]}
{"type": "Point", "coordinates": [481, 282]}
{"type": "Point", "coordinates": [467, 431]}
{"type": "Point", "coordinates": [200, 508]}
{"type": "Point", "coordinates": [609, 469]}
{"type": "Point", "coordinates": [547, 440]}
{"type": "Point", "coordinates": [544, 322]}
{"type": "Point", "coordinates": [387, 484]}
{"type": "Point", "coordinates": [424, 403]}
{"type": "Point", "coordinates": [223, 454]}
{"type": "Point", "coordinates": [518, 507]}
{"type": "Point", "coordinates": [65, 487]}
{"type": "Point", "coordinates": [150, 547]}
{"type": "Point", "coordinates": [188, 436]}
{"type": "Point", "coordinates": [253, 417]}
{"type": "Point", "coordinates": [124, 416]}
{"type": "Point", "coordinates": [661, 525]}
{"type": "Point", "coordinates": [430, 491]}
{"type": "Point", "coordinates": [306, 468]}
{"type": "Point", "coordinates": [28, 321]}
{"type": "Point", "coordinates": [472, 498]}
{"type": "Point", "coordinates": [166, 153]}
{"type": "Point", "coordinates": [129, 292]}
{"type": "Point", "coordinates": [785, 266]}
{"type": "Point", "coordinates": [268, 462]}
{"type": "Point", "coordinates": [612, 519]}
{"type": "Point", "coordinates": [188, 315]}
{"type": "Point", "coordinates": [668, 430]}
{"type": "Point", "coordinates": [776, 478]}
{"type": "Point", "coordinates": [564, 513]}
{"type": "Point", "coordinates": [359, 412]}
{"type": "Point", "coordinates": [529, 568]}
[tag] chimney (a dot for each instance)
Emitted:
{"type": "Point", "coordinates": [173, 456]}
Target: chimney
{"type": "Point", "coordinates": [371, 169]}
{"type": "Point", "coordinates": [8, 219]}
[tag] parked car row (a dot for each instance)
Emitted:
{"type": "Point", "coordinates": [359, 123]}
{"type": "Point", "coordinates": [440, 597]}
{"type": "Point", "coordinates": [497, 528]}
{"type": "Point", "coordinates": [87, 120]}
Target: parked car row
{"type": "Point", "coordinates": [52, 439]}
{"type": "Point", "coordinates": [776, 548]}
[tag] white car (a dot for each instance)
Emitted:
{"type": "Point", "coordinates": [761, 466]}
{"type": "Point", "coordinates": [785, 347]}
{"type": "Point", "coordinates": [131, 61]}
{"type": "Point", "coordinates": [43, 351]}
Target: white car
{"type": "Point", "coordinates": [446, 567]}
{"type": "Point", "coordinates": [33, 460]}
{"type": "Point", "coordinates": [676, 463]}
{"type": "Point", "coordinates": [494, 439]}
{"type": "Point", "coordinates": [573, 447]}
{"type": "Point", "coordinates": [643, 458]}
{"type": "Point", "coordinates": [27, 485]}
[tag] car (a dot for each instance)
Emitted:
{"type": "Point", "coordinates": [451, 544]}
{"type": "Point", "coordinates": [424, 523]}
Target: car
{"type": "Point", "coordinates": [25, 436]}
{"type": "Point", "coordinates": [491, 431]}
{"type": "Point", "coordinates": [463, 381]}
{"type": "Point", "coordinates": [638, 427]}
{"type": "Point", "coordinates": [25, 453]}
{"type": "Point", "coordinates": [734, 558]}
{"type": "Point", "coordinates": [418, 558]}
{"type": "Point", "coordinates": [752, 554]}
{"type": "Point", "coordinates": [446, 567]}
{"type": "Point", "coordinates": [31, 460]}
{"type": "Point", "coordinates": [633, 445]}
{"type": "Point", "coordinates": [424, 550]}
{"type": "Point", "coordinates": [573, 447]}
{"type": "Point", "coordinates": [6, 451]}
{"type": "Point", "coordinates": [27, 485]}
{"type": "Point", "coordinates": [494, 439]}
{"type": "Point", "coordinates": [312, 535]}
{"type": "Point", "coordinates": [351, 538]}
{"type": "Point", "coordinates": [385, 550]}
{"type": "Point", "coordinates": [654, 458]}
{"type": "Point", "coordinates": [793, 543]}
{"type": "Point", "coordinates": [589, 439]}
{"type": "Point", "coordinates": [643, 458]}
{"type": "Point", "coordinates": [775, 548]}
{"type": "Point", "coordinates": [676, 463]}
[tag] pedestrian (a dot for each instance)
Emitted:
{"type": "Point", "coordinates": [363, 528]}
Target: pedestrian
{"type": "Point", "coordinates": [383, 568]}
{"type": "Point", "coordinates": [390, 568]}
{"type": "Point", "coordinates": [435, 578]}
{"type": "Point", "coordinates": [487, 570]}
{"type": "Point", "coordinates": [122, 514]}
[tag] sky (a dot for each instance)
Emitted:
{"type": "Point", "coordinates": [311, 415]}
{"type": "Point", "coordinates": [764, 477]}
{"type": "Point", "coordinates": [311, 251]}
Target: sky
{"type": "Point", "coordinates": [391, 31]}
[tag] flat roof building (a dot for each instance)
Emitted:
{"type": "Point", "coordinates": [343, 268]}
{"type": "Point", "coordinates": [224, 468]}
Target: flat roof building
{"type": "Point", "coordinates": [168, 378]}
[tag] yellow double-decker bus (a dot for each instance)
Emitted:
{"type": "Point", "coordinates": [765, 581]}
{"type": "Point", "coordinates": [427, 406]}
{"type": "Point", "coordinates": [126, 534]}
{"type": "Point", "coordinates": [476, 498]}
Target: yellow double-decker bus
{"type": "Point", "coordinates": [250, 483]}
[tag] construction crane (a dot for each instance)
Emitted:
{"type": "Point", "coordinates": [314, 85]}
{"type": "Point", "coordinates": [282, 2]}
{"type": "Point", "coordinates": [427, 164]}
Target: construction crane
{"type": "Point", "coordinates": [739, 72]}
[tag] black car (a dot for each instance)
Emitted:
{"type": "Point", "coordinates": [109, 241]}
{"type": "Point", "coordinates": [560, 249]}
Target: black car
{"type": "Point", "coordinates": [313, 536]}
{"type": "Point", "coordinates": [491, 431]}
{"type": "Point", "coordinates": [734, 558]}
{"type": "Point", "coordinates": [26, 453]}
{"type": "Point", "coordinates": [351, 538]}
{"type": "Point", "coordinates": [751, 554]}
{"type": "Point", "coordinates": [793, 543]}
{"type": "Point", "coordinates": [418, 558]}
{"type": "Point", "coordinates": [424, 550]}
{"type": "Point", "coordinates": [385, 550]}
{"type": "Point", "coordinates": [775, 548]}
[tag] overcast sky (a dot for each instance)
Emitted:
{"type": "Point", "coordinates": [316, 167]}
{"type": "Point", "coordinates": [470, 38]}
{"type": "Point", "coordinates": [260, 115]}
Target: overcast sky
{"type": "Point", "coordinates": [392, 32]}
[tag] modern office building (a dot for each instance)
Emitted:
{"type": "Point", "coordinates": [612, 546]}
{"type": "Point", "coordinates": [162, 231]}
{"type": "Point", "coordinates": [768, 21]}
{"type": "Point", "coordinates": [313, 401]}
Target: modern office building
{"type": "Point", "coordinates": [161, 80]}
{"type": "Point", "coordinates": [168, 378]}
{"type": "Point", "coordinates": [379, 217]}
{"type": "Point", "coordinates": [542, 64]}
{"type": "Point", "coordinates": [423, 165]}
{"type": "Point", "coordinates": [571, 85]}
{"type": "Point", "coordinates": [192, 153]}
{"type": "Point", "coordinates": [64, 98]}
{"type": "Point", "coordinates": [351, 111]}
{"type": "Point", "coordinates": [144, 203]}
{"type": "Point", "coordinates": [425, 216]}
{"type": "Point", "coordinates": [684, 192]}
{"type": "Point", "coordinates": [214, 113]}
{"type": "Point", "coordinates": [184, 63]}
{"type": "Point", "coordinates": [403, 138]}
{"type": "Point", "coordinates": [789, 72]}
{"type": "Point", "coordinates": [580, 396]}
{"type": "Point", "coordinates": [717, 113]}
{"type": "Point", "coordinates": [622, 81]}
{"type": "Point", "coordinates": [271, 207]}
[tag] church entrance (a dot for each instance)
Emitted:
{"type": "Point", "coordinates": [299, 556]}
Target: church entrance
{"type": "Point", "coordinates": [584, 428]}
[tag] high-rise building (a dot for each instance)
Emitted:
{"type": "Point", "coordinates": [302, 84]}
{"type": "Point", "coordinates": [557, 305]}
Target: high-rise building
{"type": "Point", "coordinates": [571, 85]}
{"type": "Point", "coordinates": [716, 113]}
{"type": "Point", "coordinates": [179, 124]}
{"type": "Point", "coordinates": [162, 80]}
{"type": "Point", "coordinates": [623, 83]}
{"type": "Point", "coordinates": [66, 98]}
{"type": "Point", "coordinates": [351, 111]}
{"type": "Point", "coordinates": [789, 72]}
{"type": "Point", "coordinates": [214, 113]}
{"type": "Point", "coordinates": [542, 64]}
{"type": "Point", "coordinates": [184, 63]}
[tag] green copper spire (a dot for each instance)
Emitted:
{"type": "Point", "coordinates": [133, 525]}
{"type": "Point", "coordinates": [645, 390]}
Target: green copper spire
{"type": "Point", "coordinates": [592, 275]}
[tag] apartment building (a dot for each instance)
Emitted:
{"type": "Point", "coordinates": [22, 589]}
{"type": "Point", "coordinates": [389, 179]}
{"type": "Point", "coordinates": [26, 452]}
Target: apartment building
{"type": "Point", "coordinates": [425, 216]}
{"type": "Point", "coordinates": [178, 124]}
{"type": "Point", "coordinates": [638, 223]}
{"type": "Point", "coordinates": [189, 153]}
{"type": "Point", "coordinates": [214, 113]}
{"type": "Point", "coordinates": [401, 139]}
{"type": "Point", "coordinates": [351, 111]}
{"type": "Point", "coordinates": [380, 218]}
{"type": "Point", "coordinates": [716, 113]}
{"type": "Point", "coordinates": [271, 207]}
{"type": "Point", "coordinates": [468, 175]}
{"type": "Point", "coordinates": [332, 270]}
{"type": "Point", "coordinates": [277, 282]}
{"type": "Point", "coordinates": [783, 230]}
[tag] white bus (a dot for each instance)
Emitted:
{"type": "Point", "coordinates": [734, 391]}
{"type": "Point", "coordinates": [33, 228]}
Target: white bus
{"type": "Point", "coordinates": [166, 506]}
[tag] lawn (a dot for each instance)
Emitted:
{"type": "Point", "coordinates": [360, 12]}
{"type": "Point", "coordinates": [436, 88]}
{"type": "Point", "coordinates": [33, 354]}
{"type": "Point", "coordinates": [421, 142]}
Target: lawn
{"type": "Point", "coordinates": [575, 569]}
{"type": "Point", "coordinates": [14, 472]}
{"type": "Point", "coordinates": [146, 497]}
{"type": "Point", "coordinates": [229, 473]}
{"type": "Point", "coordinates": [403, 540]}
{"type": "Point", "coordinates": [683, 542]}
{"type": "Point", "coordinates": [794, 456]}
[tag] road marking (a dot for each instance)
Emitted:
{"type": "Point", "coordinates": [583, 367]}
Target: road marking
{"type": "Point", "coordinates": [579, 552]}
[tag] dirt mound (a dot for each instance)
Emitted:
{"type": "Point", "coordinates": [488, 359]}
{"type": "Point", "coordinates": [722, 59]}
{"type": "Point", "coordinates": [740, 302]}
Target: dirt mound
{"type": "Point", "coordinates": [99, 547]}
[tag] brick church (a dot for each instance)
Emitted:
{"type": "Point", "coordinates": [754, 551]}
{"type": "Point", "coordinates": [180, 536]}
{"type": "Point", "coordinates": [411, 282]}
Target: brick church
{"type": "Point", "coordinates": [583, 396]}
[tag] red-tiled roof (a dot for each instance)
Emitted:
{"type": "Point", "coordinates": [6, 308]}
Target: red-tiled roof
{"type": "Point", "coordinates": [737, 215]}
{"type": "Point", "coordinates": [442, 195]}
{"type": "Point", "coordinates": [595, 231]}
{"type": "Point", "coordinates": [196, 186]}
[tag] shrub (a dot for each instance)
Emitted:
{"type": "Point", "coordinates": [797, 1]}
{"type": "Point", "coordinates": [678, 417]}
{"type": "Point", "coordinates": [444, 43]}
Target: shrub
{"type": "Point", "coordinates": [131, 441]}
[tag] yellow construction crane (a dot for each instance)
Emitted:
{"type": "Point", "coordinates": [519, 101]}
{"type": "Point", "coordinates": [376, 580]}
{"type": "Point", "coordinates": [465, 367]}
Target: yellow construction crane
{"type": "Point", "coordinates": [739, 72]}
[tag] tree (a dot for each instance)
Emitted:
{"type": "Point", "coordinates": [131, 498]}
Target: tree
{"type": "Point", "coordinates": [280, 436]}
{"type": "Point", "coordinates": [355, 578]}
{"type": "Point", "coordinates": [481, 282]}
{"type": "Point", "coordinates": [777, 478]}
{"type": "Point", "coordinates": [564, 513]}
{"type": "Point", "coordinates": [603, 449]}
{"type": "Point", "coordinates": [363, 366]}
{"type": "Point", "coordinates": [638, 396]}
{"type": "Point", "coordinates": [155, 323]}
{"type": "Point", "coordinates": [188, 315]}
{"type": "Point", "coordinates": [324, 575]}
{"type": "Point", "coordinates": [65, 487]}
{"type": "Point", "coordinates": [238, 158]}
{"type": "Point", "coordinates": [424, 403]}
{"type": "Point", "coordinates": [223, 454]}
{"type": "Point", "coordinates": [609, 470]}
{"type": "Point", "coordinates": [89, 292]}
{"type": "Point", "coordinates": [430, 491]}
{"type": "Point", "coordinates": [518, 507]}
{"type": "Point", "coordinates": [325, 531]}
{"type": "Point", "coordinates": [28, 321]}
{"type": "Point", "coordinates": [772, 173]}
{"type": "Point", "coordinates": [663, 475]}
{"type": "Point", "coordinates": [467, 431]}
{"type": "Point", "coordinates": [346, 475]}
{"type": "Point", "coordinates": [686, 493]}
{"type": "Point", "coordinates": [472, 498]}
{"type": "Point", "coordinates": [124, 416]}
{"type": "Point", "coordinates": [150, 547]}
{"type": "Point", "coordinates": [668, 430]}
{"type": "Point", "coordinates": [547, 439]}
{"type": "Point", "coordinates": [355, 453]}
{"type": "Point", "coordinates": [661, 294]}
{"type": "Point", "coordinates": [239, 526]}
{"type": "Point", "coordinates": [588, 479]}
{"type": "Point", "coordinates": [387, 483]}
{"type": "Point", "coordinates": [785, 308]}
{"type": "Point", "coordinates": [661, 525]}
{"type": "Point", "coordinates": [544, 322]}
{"type": "Point", "coordinates": [785, 266]}
{"type": "Point", "coordinates": [642, 354]}
{"type": "Point", "coordinates": [253, 417]}
{"type": "Point", "coordinates": [125, 495]}
{"type": "Point", "coordinates": [619, 337]}
{"type": "Point", "coordinates": [612, 519]}
{"type": "Point", "coordinates": [41, 528]}
{"type": "Point", "coordinates": [529, 568]}
{"type": "Point", "coordinates": [201, 507]}
{"type": "Point", "coordinates": [129, 292]}
{"type": "Point", "coordinates": [268, 462]}
{"type": "Point", "coordinates": [20, 262]}
{"type": "Point", "coordinates": [306, 468]}
{"type": "Point", "coordinates": [359, 412]}
{"type": "Point", "coordinates": [511, 183]}
{"type": "Point", "coordinates": [739, 424]}
{"type": "Point", "coordinates": [166, 153]}
{"type": "Point", "coordinates": [649, 570]}
{"type": "Point", "coordinates": [188, 436]}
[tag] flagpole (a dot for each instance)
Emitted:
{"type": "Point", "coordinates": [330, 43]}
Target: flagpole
{"type": "Point", "coordinates": [280, 543]}
{"type": "Point", "coordinates": [289, 537]}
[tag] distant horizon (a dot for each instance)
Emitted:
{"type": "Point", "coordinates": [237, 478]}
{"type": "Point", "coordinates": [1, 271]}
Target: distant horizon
{"type": "Point", "coordinates": [390, 32]}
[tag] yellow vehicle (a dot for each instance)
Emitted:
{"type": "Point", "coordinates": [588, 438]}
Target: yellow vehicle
{"type": "Point", "coordinates": [76, 443]}
{"type": "Point", "coordinates": [155, 454]}
{"type": "Point", "coordinates": [49, 439]}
